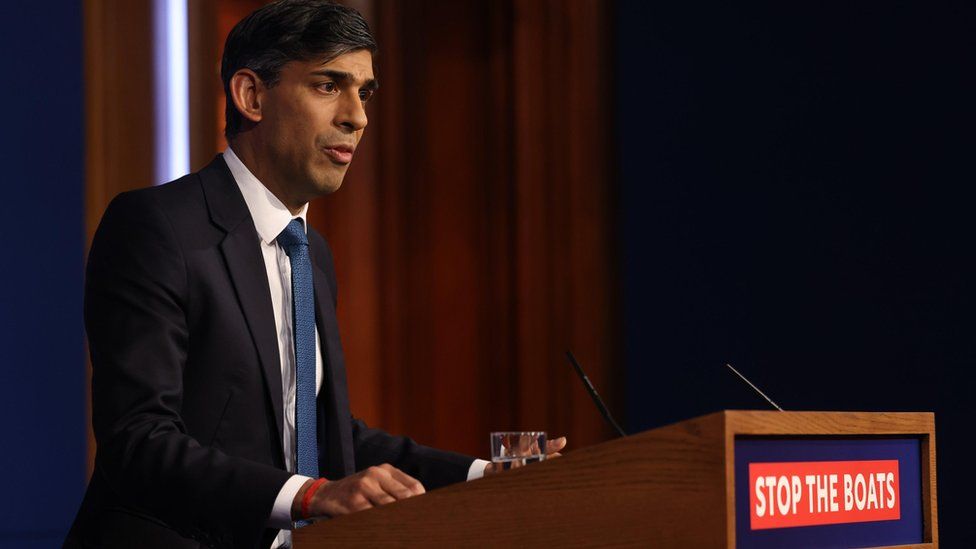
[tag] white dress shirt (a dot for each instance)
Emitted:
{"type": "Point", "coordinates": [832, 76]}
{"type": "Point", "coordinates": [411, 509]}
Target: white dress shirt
{"type": "Point", "coordinates": [271, 217]}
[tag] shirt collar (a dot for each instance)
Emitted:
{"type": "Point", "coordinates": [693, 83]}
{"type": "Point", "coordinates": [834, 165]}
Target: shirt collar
{"type": "Point", "coordinates": [270, 215]}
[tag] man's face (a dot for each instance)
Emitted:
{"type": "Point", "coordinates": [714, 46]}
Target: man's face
{"type": "Point", "coordinates": [312, 120]}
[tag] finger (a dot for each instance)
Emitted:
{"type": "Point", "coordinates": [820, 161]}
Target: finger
{"type": "Point", "coordinates": [556, 445]}
{"type": "Point", "coordinates": [394, 488]}
{"type": "Point", "coordinates": [412, 484]}
{"type": "Point", "coordinates": [373, 485]}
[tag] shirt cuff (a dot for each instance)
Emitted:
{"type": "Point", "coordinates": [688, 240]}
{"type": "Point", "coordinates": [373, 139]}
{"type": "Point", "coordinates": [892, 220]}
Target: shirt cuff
{"type": "Point", "coordinates": [281, 512]}
{"type": "Point", "coordinates": [477, 469]}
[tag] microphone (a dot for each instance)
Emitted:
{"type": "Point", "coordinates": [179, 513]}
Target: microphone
{"type": "Point", "coordinates": [762, 394]}
{"type": "Point", "coordinates": [593, 394]}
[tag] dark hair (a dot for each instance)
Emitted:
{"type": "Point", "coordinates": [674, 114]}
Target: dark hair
{"type": "Point", "coordinates": [288, 30]}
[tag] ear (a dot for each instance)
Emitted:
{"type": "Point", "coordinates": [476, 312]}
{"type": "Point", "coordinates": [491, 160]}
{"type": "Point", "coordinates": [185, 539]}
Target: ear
{"type": "Point", "coordinates": [247, 90]}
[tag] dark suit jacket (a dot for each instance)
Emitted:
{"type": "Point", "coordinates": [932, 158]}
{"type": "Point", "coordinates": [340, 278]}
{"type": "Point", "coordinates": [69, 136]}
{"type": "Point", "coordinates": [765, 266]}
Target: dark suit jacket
{"type": "Point", "coordinates": [186, 382]}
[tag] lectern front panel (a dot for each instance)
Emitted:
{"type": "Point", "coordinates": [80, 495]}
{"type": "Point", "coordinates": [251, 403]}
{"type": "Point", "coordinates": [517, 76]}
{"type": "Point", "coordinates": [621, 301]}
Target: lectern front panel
{"type": "Point", "coordinates": [827, 492]}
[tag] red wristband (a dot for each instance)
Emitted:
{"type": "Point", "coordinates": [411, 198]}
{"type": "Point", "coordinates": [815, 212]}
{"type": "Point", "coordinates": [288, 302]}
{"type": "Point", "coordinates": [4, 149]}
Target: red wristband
{"type": "Point", "coordinates": [308, 496]}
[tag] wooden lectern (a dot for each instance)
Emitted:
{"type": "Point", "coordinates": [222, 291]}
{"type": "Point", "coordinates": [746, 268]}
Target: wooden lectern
{"type": "Point", "coordinates": [675, 486]}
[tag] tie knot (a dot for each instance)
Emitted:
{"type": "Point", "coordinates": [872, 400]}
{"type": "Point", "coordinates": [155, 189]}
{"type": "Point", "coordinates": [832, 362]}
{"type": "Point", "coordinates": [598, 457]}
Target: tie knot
{"type": "Point", "coordinates": [293, 235]}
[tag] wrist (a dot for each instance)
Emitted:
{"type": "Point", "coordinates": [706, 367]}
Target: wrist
{"type": "Point", "coordinates": [296, 504]}
{"type": "Point", "coordinates": [309, 494]}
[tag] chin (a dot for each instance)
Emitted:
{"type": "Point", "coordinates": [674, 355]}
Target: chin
{"type": "Point", "coordinates": [325, 182]}
{"type": "Point", "coordinates": [328, 186]}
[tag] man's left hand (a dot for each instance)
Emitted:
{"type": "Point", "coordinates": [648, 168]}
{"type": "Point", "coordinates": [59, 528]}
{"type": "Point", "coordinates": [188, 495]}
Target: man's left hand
{"type": "Point", "coordinates": [552, 451]}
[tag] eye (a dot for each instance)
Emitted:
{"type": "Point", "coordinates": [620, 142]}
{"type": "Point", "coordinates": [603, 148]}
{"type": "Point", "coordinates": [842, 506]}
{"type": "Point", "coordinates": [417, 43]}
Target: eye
{"type": "Point", "coordinates": [365, 95]}
{"type": "Point", "coordinates": [328, 87]}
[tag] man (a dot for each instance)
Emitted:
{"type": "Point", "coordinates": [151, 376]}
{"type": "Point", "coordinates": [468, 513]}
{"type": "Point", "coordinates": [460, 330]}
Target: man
{"type": "Point", "coordinates": [218, 387]}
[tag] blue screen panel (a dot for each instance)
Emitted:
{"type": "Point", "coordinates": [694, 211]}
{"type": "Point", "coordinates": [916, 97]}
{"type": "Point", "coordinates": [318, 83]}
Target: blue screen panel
{"type": "Point", "coordinates": [907, 529]}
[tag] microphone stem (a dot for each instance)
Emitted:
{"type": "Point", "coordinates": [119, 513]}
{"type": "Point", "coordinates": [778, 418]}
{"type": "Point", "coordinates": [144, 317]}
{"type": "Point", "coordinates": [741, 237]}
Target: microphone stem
{"type": "Point", "coordinates": [593, 394]}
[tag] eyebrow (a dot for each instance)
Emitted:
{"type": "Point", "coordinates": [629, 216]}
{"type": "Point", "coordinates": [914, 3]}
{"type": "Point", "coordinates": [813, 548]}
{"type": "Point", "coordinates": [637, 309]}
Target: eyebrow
{"type": "Point", "coordinates": [345, 78]}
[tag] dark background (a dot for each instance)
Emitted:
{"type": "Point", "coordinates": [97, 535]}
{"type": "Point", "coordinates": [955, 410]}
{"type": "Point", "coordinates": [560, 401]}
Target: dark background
{"type": "Point", "coordinates": [796, 195]}
{"type": "Point", "coordinates": [42, 367]}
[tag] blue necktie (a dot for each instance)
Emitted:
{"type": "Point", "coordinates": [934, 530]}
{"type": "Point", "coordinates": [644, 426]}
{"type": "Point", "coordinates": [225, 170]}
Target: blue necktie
{"type": "Point", "coordinates": [295, 243]}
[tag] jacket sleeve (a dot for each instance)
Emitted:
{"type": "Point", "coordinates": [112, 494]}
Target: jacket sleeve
{"type": "Point", "coordinates": [432, 467]}
{"type": "Point", "coordinates": [135, 296]}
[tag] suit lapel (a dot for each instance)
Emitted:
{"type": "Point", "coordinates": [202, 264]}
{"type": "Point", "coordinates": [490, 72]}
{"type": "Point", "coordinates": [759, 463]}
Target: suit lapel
{"type": "Point", "coordinates": [241, 249]}
{"type": "Point", "coordinates": [341, 460]}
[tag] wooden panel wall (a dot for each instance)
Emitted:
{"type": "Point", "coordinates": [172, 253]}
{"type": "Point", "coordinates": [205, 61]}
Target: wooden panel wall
{"type": "Point", "coordinates": [119, 127]}
{"type": "Point", "coordinates": [206, 115]}
{"type": "Point", "coordinates": [475, 235]}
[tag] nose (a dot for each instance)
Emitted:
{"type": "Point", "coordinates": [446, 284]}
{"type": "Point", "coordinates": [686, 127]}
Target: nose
{"type": "Point", "coordinates": [351, 115]}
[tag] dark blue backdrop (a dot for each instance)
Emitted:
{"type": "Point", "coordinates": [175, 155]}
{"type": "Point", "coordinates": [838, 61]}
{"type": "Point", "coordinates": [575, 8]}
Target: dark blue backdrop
{"type": "Point", "coordinates": [42, 378]}
{"type": "Point", "coordinates": [796, 194]}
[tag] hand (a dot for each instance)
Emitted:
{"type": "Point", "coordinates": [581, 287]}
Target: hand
{"type": "Point", "coordinates": [366, 489]}
{"type": "Point", "coordinates": [552, 451]}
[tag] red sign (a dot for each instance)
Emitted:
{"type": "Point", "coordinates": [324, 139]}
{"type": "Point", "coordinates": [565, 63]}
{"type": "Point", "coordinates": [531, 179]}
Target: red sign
{"type": "Point", "coordinates": [808, 493]}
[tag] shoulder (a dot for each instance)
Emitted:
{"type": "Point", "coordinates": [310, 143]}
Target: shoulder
{"type": "Point", "coordinates": [182, 204]}
{"type": "Point", "coordinates": [181, 195]}
{"type": "Point", "coordinates": [148, 213]}
{"type": "Point", "coordinates": [137, 242]}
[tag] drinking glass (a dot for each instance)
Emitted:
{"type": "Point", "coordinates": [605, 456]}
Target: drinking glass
{"type": "Point", "coordinates": [511, 449]}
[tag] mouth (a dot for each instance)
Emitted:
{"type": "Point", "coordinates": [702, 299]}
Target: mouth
{"type": "Point", "coordinates": [340, 154]}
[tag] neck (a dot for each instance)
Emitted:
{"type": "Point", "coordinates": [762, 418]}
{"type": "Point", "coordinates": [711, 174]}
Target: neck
{"type": "Point", "coordinates": [250, 152]}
